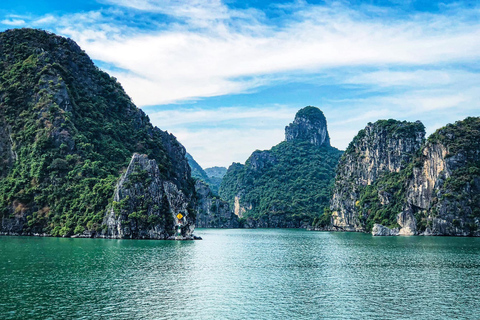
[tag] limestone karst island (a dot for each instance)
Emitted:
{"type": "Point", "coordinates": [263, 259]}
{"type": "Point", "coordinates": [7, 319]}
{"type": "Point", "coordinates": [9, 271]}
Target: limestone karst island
{"type": "Point", "coordinates": [79, 159]}
{"type": "Point", "coordinates": [286, 136]}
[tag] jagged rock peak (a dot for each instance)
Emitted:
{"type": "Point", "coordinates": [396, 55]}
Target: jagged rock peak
{"type": "Point", "coordinates": [310, 125]}
{"type": "Point", "coordinates": [146, 206]}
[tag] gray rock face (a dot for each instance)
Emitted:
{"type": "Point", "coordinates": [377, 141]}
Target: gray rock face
{"type": "Point", "coordinates": [309, 125]}
{"type": "Point", "coordinates": [260, 160]}
{"type": "Point", "coordinates": [382, 147]}
{"type": "Point", "coordinates": [213, 212]}
{"type": "Point", "coordinates": [146, 205]}
{"type": "Point", "coordinates": [176, 152]}
{"type": "Point", "coordinates": [444, 190]}
{"type": "Point", "coordinates": [379, 230]}
{"type": "Point", "coordinates": [438, 191]}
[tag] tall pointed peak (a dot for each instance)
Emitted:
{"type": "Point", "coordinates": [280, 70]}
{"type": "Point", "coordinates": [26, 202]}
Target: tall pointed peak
{"type": "Point", "coordinates": [310, 125]}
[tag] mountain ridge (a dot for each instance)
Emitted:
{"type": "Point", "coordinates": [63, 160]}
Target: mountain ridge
{"type": "Point", "coordinates": [70, 132]}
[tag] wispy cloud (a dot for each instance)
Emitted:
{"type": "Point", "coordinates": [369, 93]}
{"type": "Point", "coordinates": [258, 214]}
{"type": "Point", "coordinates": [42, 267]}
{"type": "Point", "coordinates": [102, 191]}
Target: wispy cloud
{"type": "Point", "coordinates": [211, 49]}
{"type": "Point", "coordinates": [389, 63]}
{"type": "Point", "coordinates": [13, 22]}
{"type": "Point", "coordinates": [251, 116]}
{"type": "Point", "coordinates": [225, 135]}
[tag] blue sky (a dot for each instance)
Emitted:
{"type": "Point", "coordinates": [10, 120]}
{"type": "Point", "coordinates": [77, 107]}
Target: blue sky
{"type": "Point", "coordinates": [226, 77]}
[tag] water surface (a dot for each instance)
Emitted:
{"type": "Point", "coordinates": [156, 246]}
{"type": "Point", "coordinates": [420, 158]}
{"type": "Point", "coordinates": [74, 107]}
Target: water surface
{"type": "Point", "coordinates": [241, 274]}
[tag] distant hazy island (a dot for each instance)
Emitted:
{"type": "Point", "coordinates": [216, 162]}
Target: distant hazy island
{"type": "Point", "coordinates": [77, 158]}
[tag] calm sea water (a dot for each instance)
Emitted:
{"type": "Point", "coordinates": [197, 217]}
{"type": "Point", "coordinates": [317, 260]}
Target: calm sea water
{"type": "Point", "coordinates": [241, 274]}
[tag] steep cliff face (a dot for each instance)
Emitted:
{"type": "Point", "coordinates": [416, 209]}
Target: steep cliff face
{"type": "Point", "coordinates": [369, 177]}
{"type": "Point", "coordinates": [309, 125]}
{"type": "Point", "coordinates": [145, 205]}
{"type": "Point", "coordinates": [213, 212]}
{"type": "Point", "coordinates": [67, 132]}
{"type": "Point", "coordinates": [444, 191]}
{"type": "Point", "coordinates": [410, 188]}
{"type": "Point", "coordinates": [176, 157]}
{"type": "Point", "coordinates": [288, 185]}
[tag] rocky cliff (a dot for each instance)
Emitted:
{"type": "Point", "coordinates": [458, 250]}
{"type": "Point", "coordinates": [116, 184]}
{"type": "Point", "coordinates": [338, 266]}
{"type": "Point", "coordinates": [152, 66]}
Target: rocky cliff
{"type": "Point", "coordinates": [391, 182]}
{"type": "Point", "coordinates": [381, 150]}
{"type": "Point", "coordinates": [287, 186]}
{"type": "Point", "coordinates": [145, 205]}
{"type": "Point", "coordinates": [309, 125]}
{"type": "Point", "coordinates": [444, 189]}
{"type": "Point", "coordinates": [67, 133]}
{"type": "Point", "coordinates": [213, 212]}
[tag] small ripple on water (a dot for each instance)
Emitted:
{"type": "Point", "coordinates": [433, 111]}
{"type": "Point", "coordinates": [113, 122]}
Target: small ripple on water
{"type": "Point", "coordinates": [241, 274]}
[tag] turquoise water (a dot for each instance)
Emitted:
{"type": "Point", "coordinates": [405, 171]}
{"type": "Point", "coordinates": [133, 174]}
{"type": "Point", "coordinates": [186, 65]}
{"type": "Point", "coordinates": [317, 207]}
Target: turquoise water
{"type": "Point", "coordinates": [241, 274]}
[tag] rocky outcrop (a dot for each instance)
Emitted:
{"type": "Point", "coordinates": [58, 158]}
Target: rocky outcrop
{"type": "Point", "coordinates": [309, 125]}
{"type": "Point", "coordinates": [444, 191]}
{"type": "Point", "coordinates": [67, 131]}
{"type": "Point", "coordinates": [406, 222]}
{"type": "Point", "coordinates": [406, 190]}
{"type": "Point", "coordinates": [146, 205]}
{"type": "Point", "coordinates": [379, 230]}
{"type": "Point", "coordinates": [261, 160]}
{"type": "Point", "coordinates": [176, 153]}
{"type": "Point", "coordinates": [386, 146]}
{"type": "Point", "coordinates": [211, 211]}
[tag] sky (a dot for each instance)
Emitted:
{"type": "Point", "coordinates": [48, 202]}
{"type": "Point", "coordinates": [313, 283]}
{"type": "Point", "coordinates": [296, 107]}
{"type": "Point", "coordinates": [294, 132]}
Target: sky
{"type": "Point", "coordinates": [226, 77]}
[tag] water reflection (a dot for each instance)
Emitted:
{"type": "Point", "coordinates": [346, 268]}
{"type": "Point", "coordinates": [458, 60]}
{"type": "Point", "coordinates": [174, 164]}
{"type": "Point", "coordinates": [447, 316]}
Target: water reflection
{"type": "Point", "coordinates": [241, 274]}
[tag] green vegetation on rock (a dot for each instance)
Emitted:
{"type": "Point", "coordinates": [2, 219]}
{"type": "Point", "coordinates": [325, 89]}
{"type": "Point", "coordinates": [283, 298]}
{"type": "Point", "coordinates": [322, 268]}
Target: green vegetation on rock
{"type": "Point", "coordinates": [390, 176]}
{"type": "Point", "coordinates": [211, 176]}
{"type": "Point", "coordinates": [287, 186]}
{"type": "Point", "coordinates": [69, 130]}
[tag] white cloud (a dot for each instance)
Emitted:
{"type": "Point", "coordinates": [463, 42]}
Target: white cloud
{"type": "Point", "coordinates": [13, 22]}
{"type": "Point", "coordinates": [225, 135]}
{"type": "Point", "coordinates": [407, 67]}
{"type": "Point", "coordinates": [45, 20]}
{"type": "Point", "coordinates": [220, 147]}
{"type": "Point", "coordinates": [215, 117]}
{"type": "Point", "coordinates": [217, 50]}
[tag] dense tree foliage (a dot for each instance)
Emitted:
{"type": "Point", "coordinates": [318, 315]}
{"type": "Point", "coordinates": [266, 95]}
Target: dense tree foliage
{"type": "Point", "coordinates": [292, 180]}
{"type": "Point", "coordinates": [456, 193]}
{"type": "Point", "coordinates": [72, 130]}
